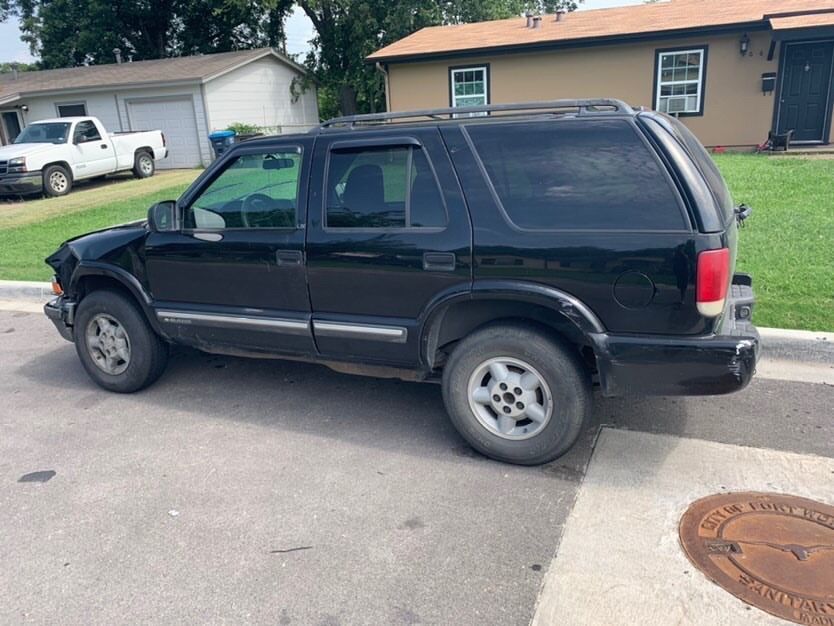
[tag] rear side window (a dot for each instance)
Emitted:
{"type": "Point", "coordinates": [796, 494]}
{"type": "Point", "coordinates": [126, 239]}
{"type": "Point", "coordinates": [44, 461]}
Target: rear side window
{"type": "Point", "coordinates": [388, 187]}
{"type": "Point", "coordinates": [576, 175]}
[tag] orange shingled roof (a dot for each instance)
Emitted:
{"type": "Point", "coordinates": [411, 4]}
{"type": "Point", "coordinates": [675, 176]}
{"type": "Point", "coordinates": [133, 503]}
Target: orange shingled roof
{"type": "Point", "coordinates": [644, 19]}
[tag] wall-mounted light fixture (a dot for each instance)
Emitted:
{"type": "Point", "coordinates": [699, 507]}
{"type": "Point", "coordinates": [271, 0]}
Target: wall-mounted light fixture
{"type": "Point", "coordinates": [744, 45]}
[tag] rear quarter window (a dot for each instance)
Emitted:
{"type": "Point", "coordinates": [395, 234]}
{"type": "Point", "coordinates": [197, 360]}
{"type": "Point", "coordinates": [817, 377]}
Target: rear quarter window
{"type": "Point", "coordinates": [709, 170]}
{"type": "Point", "coordinates": [577, 175]}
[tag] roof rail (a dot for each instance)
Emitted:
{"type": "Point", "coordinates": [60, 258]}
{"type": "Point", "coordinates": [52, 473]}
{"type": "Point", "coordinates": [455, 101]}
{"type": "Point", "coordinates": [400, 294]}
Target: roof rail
{"type": "Point", "coordinates": [583, 106]}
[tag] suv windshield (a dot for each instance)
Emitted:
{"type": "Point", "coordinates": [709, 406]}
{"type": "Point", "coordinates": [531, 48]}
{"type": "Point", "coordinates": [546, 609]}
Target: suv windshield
{"type": "Point", "coordinates": [56, 132]}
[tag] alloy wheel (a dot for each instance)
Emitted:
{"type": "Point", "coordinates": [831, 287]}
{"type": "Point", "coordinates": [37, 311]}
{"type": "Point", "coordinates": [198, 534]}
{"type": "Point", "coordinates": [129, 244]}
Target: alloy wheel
{"type": "Point", "coordinates": [510, 398]}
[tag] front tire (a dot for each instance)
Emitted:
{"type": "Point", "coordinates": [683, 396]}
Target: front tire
{"type": "Point", "coordinates": [516, 394]}
{"type": "Point", "coordinates": [57, 181]}
{"type": "Point", "coordinates": [116, 345]}
{"type": "Point", "coordinates": [143, 165]}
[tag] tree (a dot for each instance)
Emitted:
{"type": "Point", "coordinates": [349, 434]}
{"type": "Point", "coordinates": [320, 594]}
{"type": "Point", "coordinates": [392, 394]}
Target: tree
{"type": "Point", "coordinates": [349, 30]}
{"type": "Point", "coordinates": [65, 33]}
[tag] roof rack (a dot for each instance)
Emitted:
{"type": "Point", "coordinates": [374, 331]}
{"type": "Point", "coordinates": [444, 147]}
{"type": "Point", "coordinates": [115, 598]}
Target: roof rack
{"type": "Point", "coordinates": [583, 107]}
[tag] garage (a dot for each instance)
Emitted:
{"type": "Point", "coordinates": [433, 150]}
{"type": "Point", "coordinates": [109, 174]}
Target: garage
{"type": "Point", "coordinates": [176, 118]}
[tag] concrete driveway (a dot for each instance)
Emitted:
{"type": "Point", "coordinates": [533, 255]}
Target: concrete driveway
{"type": "Point", "coordinates": [271, 492]}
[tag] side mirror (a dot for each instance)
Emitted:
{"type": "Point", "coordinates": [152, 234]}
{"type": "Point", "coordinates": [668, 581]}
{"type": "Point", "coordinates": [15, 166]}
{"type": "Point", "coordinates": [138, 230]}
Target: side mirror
{"type": "Point", "coordinates": [163, 217]}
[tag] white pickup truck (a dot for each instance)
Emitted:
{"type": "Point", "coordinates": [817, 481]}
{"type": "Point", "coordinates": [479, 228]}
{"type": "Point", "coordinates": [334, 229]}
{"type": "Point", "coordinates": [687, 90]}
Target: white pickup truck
{"type": "Point", "coordinates": [50, 155]}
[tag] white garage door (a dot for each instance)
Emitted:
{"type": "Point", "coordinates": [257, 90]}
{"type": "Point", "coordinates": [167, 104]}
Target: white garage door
{"type": "Point", "coordinates": [176, 119]}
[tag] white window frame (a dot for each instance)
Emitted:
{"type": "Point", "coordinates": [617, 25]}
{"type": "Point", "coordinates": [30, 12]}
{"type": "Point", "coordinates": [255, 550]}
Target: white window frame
{"type": "Point", "coordinates": [460, 70]}
{"type": "Point", "coordinates": [82, 103]}
{"type": "Point", "coordinates": [698, 110]}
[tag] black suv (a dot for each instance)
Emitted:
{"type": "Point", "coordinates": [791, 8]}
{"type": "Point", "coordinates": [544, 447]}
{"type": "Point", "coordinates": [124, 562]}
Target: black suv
{"type": "Point", "coordinates": [519, 254]}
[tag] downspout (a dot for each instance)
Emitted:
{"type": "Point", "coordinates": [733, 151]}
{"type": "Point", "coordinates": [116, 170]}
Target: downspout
{"type": "Point", "coordinates": [381, 68]}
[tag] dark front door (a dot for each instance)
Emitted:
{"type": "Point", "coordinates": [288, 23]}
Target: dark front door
{"type": "Point", "coordinates": [388, 236]}
{"type": "Point", "coordinates": [234, 275]}
{"type": "Point", "coordinates": [805, 102]}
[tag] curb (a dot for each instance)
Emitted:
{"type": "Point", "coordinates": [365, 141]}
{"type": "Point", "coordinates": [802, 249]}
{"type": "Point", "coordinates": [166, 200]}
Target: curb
{"type": "Point", "coordinates": [10, 289]}
{"type": "Point", "coordinates": [777, 343]}
{"type": "Point", "coordinates": [797, 345]}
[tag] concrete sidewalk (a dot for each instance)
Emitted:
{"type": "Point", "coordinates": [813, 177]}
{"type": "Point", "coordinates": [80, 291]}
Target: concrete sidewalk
{"type": "Point", "coordinates": [620, 560]}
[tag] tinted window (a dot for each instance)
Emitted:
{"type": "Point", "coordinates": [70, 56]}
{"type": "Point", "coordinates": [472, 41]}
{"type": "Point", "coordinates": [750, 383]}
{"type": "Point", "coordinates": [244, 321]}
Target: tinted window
{"type": "Point", "coordinates": [577, 175]}
{"type": "Point", "coordinates": [86, 131]}
{"type": "Point", "coordinates": [705, 164]}
{"type": "Point", "coordinates": [382, 188]}
{"type": "Point", "coordinates": [254, 191]}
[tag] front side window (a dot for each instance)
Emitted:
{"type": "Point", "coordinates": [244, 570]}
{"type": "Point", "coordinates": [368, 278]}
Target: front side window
{"type": "Point", "coordinates": [86, 131]}
{"type": "Point", "coordinates": [576, 175]}
{"type": "Point", "coordinates": [469, 87]}
{"type": "Point", "coordinates": [254, 191]}
{"type": "Point", "coordinates": [680, 81]}
{"type": "Point", "coordinates": [384, 187]}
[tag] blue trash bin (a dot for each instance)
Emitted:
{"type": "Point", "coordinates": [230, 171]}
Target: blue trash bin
{"type": "Point", "coordinates": [221, 141]}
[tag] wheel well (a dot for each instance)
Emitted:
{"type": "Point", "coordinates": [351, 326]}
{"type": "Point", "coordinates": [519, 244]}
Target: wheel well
{"type": "Point", "coordinates": [463, 318]}
{"type": "Point", "coordinates": [95, 282]}
{"type": "Point", "coordinates": [139, 151]}
{"type": "Point", "coordinates": [63, 164]}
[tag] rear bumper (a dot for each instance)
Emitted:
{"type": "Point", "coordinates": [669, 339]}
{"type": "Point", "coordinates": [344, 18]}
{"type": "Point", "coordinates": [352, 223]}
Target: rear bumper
{"type": "Point", "coordinates": [715, 364]}
{"type": "Point", "coordinates": [61, 312]}
{"type": "Point", "coordinates": [21, 184]}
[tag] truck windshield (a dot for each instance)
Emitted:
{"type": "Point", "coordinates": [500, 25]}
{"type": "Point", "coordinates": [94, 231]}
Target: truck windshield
{"type": "Point", "coordinates": [56, 132]}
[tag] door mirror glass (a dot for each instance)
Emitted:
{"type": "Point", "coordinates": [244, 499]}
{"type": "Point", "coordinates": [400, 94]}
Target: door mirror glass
{"type": "Point", "coordinates": [162, 217]}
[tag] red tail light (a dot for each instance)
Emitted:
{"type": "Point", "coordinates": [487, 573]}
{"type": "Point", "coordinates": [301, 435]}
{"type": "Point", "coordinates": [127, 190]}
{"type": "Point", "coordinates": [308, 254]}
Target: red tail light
{"type": "Point", "coordinates": [712, 281]}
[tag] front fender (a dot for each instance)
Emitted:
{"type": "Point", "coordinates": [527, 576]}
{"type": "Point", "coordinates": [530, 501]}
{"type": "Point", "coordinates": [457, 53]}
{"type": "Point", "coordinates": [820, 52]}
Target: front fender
{"type": "Point", "coordinates": [124, 278]}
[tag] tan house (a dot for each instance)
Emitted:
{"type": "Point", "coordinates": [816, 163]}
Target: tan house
{"type": "Point", "coordinates": [732, 70]}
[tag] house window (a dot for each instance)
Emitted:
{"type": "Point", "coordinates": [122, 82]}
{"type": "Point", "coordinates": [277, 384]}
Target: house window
{"type": "Point", "coordinates": [680, 81]}
{"type": "Point", "coordinates": [72, 109]}
{"type": "Point", "coordinates": [469, 87]}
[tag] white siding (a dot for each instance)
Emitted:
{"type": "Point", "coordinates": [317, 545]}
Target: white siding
{"type": "Point", "coordinates": [101, 105]}
{"type": "Point", "coordinates": [259, 93]}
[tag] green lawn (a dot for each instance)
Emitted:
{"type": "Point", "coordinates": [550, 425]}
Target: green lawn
{"type": "Point", "coordinates": [24, 247]}
{"type": "Point", "coordinates": [788, 242]}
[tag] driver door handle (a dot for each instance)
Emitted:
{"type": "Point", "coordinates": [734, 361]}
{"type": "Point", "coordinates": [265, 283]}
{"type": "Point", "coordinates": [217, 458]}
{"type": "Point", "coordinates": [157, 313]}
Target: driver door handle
{"type": "Point", "coordinates": [288, 257]}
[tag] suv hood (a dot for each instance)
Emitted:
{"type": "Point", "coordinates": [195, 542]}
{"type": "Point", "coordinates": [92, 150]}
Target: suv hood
{"type": "Point", "coordinates": [24, 149]}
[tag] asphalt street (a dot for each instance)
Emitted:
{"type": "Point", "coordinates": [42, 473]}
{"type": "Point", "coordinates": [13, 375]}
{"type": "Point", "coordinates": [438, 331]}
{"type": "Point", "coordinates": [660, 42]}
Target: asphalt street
{"type": "Point", "coordinates": [284, 493]}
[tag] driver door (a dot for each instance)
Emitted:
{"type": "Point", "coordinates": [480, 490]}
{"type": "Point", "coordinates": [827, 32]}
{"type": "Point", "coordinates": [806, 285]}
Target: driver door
{"type": "Point", "coordinates": [235, 274]}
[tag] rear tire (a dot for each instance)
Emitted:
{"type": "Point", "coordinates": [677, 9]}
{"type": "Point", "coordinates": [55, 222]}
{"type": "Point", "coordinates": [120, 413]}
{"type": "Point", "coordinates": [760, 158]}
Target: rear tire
{"type": "Point", "coordinates": [116, 345]}
{"type": "Point", "coordinates": [516, 394]}
{"type": "Point", "coordinates": [143, 165]}
{"type": "Point", "coordinates": [57, 181]}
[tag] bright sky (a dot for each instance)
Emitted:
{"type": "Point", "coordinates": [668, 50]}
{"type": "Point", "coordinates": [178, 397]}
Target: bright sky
{"type": "Point", "coordinates": [299, 32]}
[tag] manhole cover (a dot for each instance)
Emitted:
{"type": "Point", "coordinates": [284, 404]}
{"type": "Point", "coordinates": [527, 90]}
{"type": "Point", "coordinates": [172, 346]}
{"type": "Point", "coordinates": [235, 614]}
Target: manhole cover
{"type": "Point", "coordinates": [773, 551]}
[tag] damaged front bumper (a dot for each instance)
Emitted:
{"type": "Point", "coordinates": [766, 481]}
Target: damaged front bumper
{"type": "Point", "coordinates": [61, 311]}
{"type": "Point", "coordinates": [716, 364]}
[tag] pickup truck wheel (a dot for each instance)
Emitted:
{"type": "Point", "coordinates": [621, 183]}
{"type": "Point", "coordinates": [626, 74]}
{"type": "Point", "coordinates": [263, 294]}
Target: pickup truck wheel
{"type": "Point", "coordinates": [56, 181]}
{"type": "Point", "coordinates": [143, 165]}
{"type": "Point", "coordinates": [515, 394]}
{"type": "Point", "coordinates": [116, 345]}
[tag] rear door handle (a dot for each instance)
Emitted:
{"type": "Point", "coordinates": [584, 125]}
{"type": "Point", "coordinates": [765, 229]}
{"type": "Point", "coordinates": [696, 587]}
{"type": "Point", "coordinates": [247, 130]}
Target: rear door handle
{"type": "Point", "coordinates": [439, 261]}
{"type": "Point", "coordinates": [289, 257]}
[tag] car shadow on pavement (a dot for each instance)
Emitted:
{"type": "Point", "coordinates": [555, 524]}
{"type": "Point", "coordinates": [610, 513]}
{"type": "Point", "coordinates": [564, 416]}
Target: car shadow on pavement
{"type": "Point", "coordinates": [311, 398]}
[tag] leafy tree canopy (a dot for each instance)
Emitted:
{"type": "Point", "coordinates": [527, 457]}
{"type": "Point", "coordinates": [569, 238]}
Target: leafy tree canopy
{"type": "Point", "coordinates": [66, 33]}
